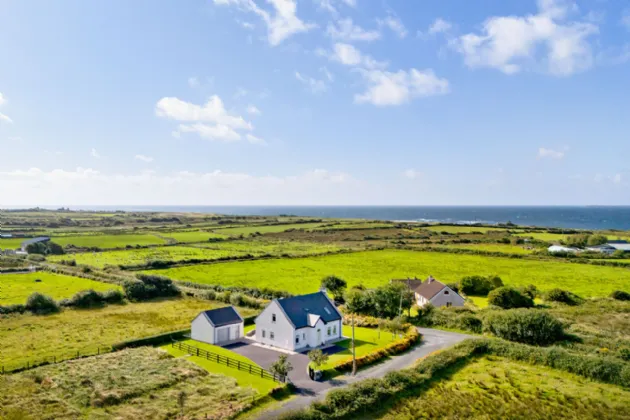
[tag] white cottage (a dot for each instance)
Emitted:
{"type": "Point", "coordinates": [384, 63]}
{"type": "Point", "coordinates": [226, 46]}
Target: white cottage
{"type": "Point", "coordinates": [432, 291]}
{"type": "Point", "coordinates": [299, 322]}
{"type": "Point", "coordinates": [217, 326]}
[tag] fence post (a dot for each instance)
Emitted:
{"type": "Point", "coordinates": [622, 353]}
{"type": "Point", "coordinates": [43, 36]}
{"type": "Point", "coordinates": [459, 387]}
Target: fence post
{"type": "Point", "coordinates": [197, 351]}
{"type": "Point", "coordinates": [239, 365]}
{"type": "Point", "coordinates": [250, 369]}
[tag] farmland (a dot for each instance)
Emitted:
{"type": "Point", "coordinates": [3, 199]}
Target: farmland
{"type": "Point", "coordinates": [139, 383]}
{"type": "Point", "coordinates": [489, 247]}
{"type": "Point", "coordinates": [108, 241]}
{"type": "Point", "coordinates": [11, 243]}
{"type": "Point", "coordinates": [462, 229]}
{"type": "Point", "coordinates": [32, 338]}
{"type": "Point", "coordinates": [248, 230]}
{"type": "Point", "coordinates": [373, 268]}
{"type": "Point", "coordinates": [492, 387]}
{"type": "Point", "coordinates": [15, 288]}
{"type": "Point", "coordinates": [545, 236]}
{"type": "Point", "coordinates": [192, 236]}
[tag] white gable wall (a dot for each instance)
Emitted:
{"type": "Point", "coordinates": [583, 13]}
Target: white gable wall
{"type": "Point", "coordinates": [282, 329]}
{"type": "Point", "coordinates": [446, 296]}
{"type": "Point", "coordinates": [202, 330]}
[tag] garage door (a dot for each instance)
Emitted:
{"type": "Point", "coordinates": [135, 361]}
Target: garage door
{"type": "Point", "coordinates": [234, 332]}
{"type": "Point", "coordinates": [222, 334]}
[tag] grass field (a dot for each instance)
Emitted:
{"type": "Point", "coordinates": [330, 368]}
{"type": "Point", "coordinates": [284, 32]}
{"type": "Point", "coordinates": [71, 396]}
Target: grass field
{"type": "Point", "coordinates": [108, 241]}
{"type": "Point", "coordinates": [32, 338]}
{"type": "Point", "coordinates": [356, 226]}
{"type": "Point", "coordinates": [303, 275]}
{"type": "Point", "coordinates": [11, 243]}
{"type": "Point", "coordinates": [366, 340]}
{"type": "Point", "coordinates": [202, 251]}
{"type": "Point", "coordinates": [243, 378]}
{"type": "Point", "coordinates": [493, 387]}
{"type": "Point", "coordinates": [463, 229]}
{"type": "Point", "coordinates": [141, 383]}
{"type": "Point", "coordinates": [545, 236]}
{"type": "Point", "coordinates": [504, 248]}
{"type": "Point", "coordinates": [247, 230]}
{"type": "Point", "coordinates": [16, 288]}
{"type": "Point", "coordinates": [191, 236]}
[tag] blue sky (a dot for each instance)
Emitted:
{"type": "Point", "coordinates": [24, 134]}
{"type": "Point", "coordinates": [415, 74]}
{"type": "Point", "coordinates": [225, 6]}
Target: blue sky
{"type": "Point", "coordinates": [314, 102]}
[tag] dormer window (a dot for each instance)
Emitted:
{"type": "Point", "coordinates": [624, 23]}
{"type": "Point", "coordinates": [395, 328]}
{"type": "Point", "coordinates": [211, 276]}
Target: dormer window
{"type": "Point", "coordinates": [273, 317]}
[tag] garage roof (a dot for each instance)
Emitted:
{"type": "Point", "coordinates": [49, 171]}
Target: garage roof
{"type": "Point", "coordinates": [223, 316]}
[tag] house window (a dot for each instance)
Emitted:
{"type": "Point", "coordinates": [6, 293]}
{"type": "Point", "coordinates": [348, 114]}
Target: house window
{"type": "Point", "coordinates": [263, 333]}
{"type": "Point", "coordinates": [328, 331]}
{"type": "Point", "coordinates": [273, 317]}
{"type": "Point", "coordinates": [449, 304]}
{"type": "Point", "coordinates": [271, 336]}
{"type": "Point", "coordinates": [335, 329]}
{"type": "Point", "coordinates": [297, 339]}
{"type": "Point", "coordinates": [446, 292]}
{"type": "Point", "coordinates": [303, 336]}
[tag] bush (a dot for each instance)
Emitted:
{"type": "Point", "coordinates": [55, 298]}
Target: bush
{"type": "Point", "coordinates": [12, 309]}
{"type": "Point", "coordinates": [41, 304]}
{"type": "Point", "coordinates": [528, 326]}
{"type": "Point", "coordinates": [620, 295]}
{"type": "Point", "coordinates": [563, 296]}
{"type": "Point", "coordinates": [114, 296]}
{"type": "Point", "coordinates": [479, 285]}
{"type": "Point", "coordinates": [624, 353]}
{"type": "Point", "coordinates": [149, 286]}
{"type": "Point", "coordinates": [87, 299]}
{"type": "Point", "coordinates": [509, 298]}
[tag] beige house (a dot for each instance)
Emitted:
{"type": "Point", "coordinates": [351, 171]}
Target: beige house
{"type": "Point", "coordinates": [432, 291]}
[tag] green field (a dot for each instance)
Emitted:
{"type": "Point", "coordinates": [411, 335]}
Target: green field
{"type": "Point", "coordinates": [463, 229]}
{"type": "Point", "coordinates": [493, 387]}
{"type": "Point", "coordinates": [141, 383]}
{"type": "Point", "coordinates": [108, 241]}
{"type": "Point", "coordinates": [205, 251]}
{"type": "Point", "coordinates": [11, 243]}
{"type": "Point", "coordinates": [303, 275]}
{"type": "Point", "coordinates": [16, 288]}
{"type": "Point", "coordinates": [504, 248]}
{"type": "Point", "coordinates": [248, 230]}
{"type": "Point", "coordinates": [244, 379]}
{"type": "Point", "coordinates": [32, 338]}
{"type": "Point", "coordinates": [192, 236]}
{"type": "Point", "coordinates": [366, 225]}
{"type": "Point", "coordinates": [545, 236]}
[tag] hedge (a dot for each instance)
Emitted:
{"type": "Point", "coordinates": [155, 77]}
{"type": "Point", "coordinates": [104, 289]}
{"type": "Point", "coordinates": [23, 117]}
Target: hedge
{"type": "Point", "coordinates": [412, 336]}
{"type": "Point", "coordinates": [154, 340]}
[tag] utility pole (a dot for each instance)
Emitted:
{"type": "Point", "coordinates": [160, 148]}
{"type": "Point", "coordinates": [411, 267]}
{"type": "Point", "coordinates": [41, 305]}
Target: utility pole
{"type": "Point", "coordinates": [354, 354]}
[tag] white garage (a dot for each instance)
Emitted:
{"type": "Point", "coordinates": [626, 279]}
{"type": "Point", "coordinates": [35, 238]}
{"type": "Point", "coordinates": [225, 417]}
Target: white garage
{"type": "Point", "coordinates": [217, 326]}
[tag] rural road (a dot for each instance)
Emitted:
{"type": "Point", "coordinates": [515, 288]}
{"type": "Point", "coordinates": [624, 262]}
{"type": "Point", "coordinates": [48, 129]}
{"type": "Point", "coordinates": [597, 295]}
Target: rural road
{"type": "Point", "coordinates": [432, 340]}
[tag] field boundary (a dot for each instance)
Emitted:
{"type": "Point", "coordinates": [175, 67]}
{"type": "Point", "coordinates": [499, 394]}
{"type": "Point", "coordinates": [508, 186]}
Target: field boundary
{"type": "Point", "coordinates": [236, 364]}
{"type": "Point", "coordinates": [54, 360]}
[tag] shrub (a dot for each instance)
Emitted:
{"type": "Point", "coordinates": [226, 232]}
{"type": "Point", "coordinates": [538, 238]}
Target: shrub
{"type": "Point", "coordinates": [528, 326]}
{"type": "Point", "coordinates": [236, 299]}
{"type": "Point", "coordinates": [531, 291]}
{"type": "Point", "coordinates": [148, 286]}
{"type": "Point", "coordinates": [620, 295]}
{"type": "Point", "coordinates": [12, 309]}
{"type": "Point", "coordinates": [87, 299]}
{"type": "Point", "coordinates": [479, 285]}
{"type": "Point", "coordinates": [114, 296]}
{"type": "Point", "coordinates": [41, 304]}
{"type": "Point", "coordinates": [624, 353]}
{"type": "Point", "coordinates": [509, 298]}
{"type": "Point", "coordinates": [563, 296]}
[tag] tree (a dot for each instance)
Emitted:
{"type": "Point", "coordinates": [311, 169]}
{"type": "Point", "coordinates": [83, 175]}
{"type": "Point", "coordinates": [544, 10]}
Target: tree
{"type": "Point", "coordinates": [391, 299]}
{"type": "Point", "coordinates": [395, 326]}
{"type": "Point", "coordinates": [335, 285]}
{"type": "Point", "coordinates": [479, 285]}
{"type": "Point", "coordinates": [317, 357]}
{"type": "Point", "coordinates": [355, 300]}
{"type": "Point", "coordinates": [282, 366]}
{"type": "Point", "coordinates": [509, 298]}
{"type": "Point", "coordinates": [596, 240]}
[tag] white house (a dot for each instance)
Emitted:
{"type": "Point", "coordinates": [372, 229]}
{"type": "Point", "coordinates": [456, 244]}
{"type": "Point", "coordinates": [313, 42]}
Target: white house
{"type": "Point", "coordinates": [560, 248]}
{"type": "Point", "coordinates": [432, 291]}
{"type": "Point", "coordinates": [610, 247]}
{"type": "Point", "coordinates": [300, 322]}
{"type": "Point", "coordinates": [217, 326]}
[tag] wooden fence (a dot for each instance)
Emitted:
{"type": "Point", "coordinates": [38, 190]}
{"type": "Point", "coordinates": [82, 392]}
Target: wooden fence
{"type": "Point", "coordinates": [236, 364]}
{"type": "Point", "coordinates": [31, 364]}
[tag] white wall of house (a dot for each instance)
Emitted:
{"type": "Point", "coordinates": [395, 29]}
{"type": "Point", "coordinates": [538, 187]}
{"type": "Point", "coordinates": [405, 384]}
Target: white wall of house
{"type": "Point", "coordinates": [280, 333]}
{"type": "Point", "coordinates": [202, 330]}
{"type": "Point", "coordinates": [421, 300]}
{"type": "Point", "coordinates": [447, 296]}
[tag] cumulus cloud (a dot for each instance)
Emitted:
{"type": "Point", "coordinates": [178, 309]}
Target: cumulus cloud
{"type": "Point", "coordinates": [349, 55]}
{"type": "Point", "coordinates": [346, 30]}
{"type": "Point", "coordinates": [2, 99]}
{"type": "Point", "coordinates": [316, 86]}
{"type": "Point", "coordinates": [143, 158]}
{"type": "Point", "coordinates": [219, 132]}
{"type": "Point", "coordinates": [550, 153]}
{"type": "Point", "coordinates": [439, 26]}
{"type": "Point", "coordinates": [394, 24]}
{"type": "Point", "coordinates": [331, 5]}
{"type": "Point", "coordinates": [547, 40]}
{"type": "Point", "coordinates": [395, 88]}
{"type": "Point", "coordinates": [95, 154]}
{"type": "Point", "coordinates": [3, 117]}
{"type": "Point", "coordinates": [282, 22]}
{"type": "Point", "coordinates": [252, 109]}
{"type": "Point", "coordinates": [255, 140]}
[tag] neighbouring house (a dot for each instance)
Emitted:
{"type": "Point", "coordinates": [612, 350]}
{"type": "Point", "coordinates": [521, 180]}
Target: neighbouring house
{"type": "Point", "coordinates": [559, 248]}
{"type": "Point", "coordinates": [300, 322]}
{"type": "Point", "coordinates": [610, 247]}
{"type": "Point", "coordinates": [432, 291]}
{"type": "Point", "coordinates": [217, 326]}
{"type": "Point", "coordinates": [6, 235]}
{"type": "Point", "coordinates": [27, 242]}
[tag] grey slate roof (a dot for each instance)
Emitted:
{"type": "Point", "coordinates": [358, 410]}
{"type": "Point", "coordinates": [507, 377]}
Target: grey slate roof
{"type": "Point", "coordinates": [223, 316]}
{"type": "Point", "coordinates": [298, 308]}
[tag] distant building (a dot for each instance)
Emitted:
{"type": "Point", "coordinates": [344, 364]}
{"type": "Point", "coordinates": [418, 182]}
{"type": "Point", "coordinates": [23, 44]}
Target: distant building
{"type": "Point", "coordinates": [432, 291]}
{"type": "Point", "coordinates": [34, 241]}
{"type": "Point", "coordinates": [559, 248]}
{"type": "Point", "coordinates": [6, 235]}
{"type": "Point", "coordinates": [610, 247]}
{"type": "Point", "coordinates": [217, 326]}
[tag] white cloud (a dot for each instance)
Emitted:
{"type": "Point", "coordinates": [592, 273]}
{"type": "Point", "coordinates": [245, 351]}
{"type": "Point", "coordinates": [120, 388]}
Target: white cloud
{"type": "Point", "coordinates": [386, 88]}
{"type": "Point", "coordinates": [255, 140]}
{"type": "Point", "coordinates": [95, 154]}
{"type": "Point", "coordinates": [625, 19]}
{"type": "Point", "coordinates": [240, 93]}
{"type": "Point", "coordinates": [281, 24]}
{"type": "Point", "coordinates": [346, 30]}
{"type": "Point", "coordinates": [252, 109]}
{"type": "Point", "coordinates": [246, 25]}
{"type": "Point", "coordinates": [193, 82]}
{"type": "Point", "coordinates": [143, 158]}
{"type": "Point", "coordinates": [616, 179]}
{"type": "Point", "coordinates": [412, 174]}
{"type": "Point", "coordinates": [394, 24]}
{"type": "Point", "coordinates": [545, 40]}
{"type": "Point", "coordinates": [219, 132]}
{"type": "Point", "coordinates": [550, 153]}
{"type": "Point", "coordinates": [314, 85]}
{"type": "Point", "coordinates": [328, 74]}
{"type": "Point", "coordinates": [348, 55]}
{"type": "Point", "coordinates": [3, 117]}
{"type": "Point", "coordinates": [330, 5]}
{"type": "Point", "coordinates": [2, 99]}
{"type": "Point", "coordinates": [212, 111]}
{"type": "Point", "coordinates": [439, 26]}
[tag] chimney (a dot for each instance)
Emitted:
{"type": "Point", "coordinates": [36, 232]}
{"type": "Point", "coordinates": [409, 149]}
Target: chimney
{"type": "Point", "coordinates": [430, 279]}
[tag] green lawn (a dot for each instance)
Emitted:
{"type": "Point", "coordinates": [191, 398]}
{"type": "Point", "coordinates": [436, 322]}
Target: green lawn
{"type": "Point", "coordinates": [16, 288]}
{"type": "Point", "coordinates": [463, 229]}
{"type": "Point", "coordinates": [108, 241]}
{"type": "Point", "coordinates": [373, 268]}
{"type": "Point", "coordinates": [33, 338]}
{"type": "Point", "coordinates": [247, 230]}
{"type": "Point", "coordinates": [192, 236]}
{"type": "Point", "coordinates": [244, 379]}
{"type": "Point", "coordinates": [11, 243]}
{"type": "Point", "coordinates": [493, 387]}
{"type": "Point", "coordinates": [366, 341]}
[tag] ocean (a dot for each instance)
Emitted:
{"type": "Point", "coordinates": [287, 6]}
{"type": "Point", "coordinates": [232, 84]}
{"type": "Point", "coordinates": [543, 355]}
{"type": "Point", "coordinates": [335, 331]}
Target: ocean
{"type": "Point", "coordinates": [587, 217]}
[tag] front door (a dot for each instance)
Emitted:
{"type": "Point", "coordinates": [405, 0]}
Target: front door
{"type": "Point", "coordinates": [319, 337]}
